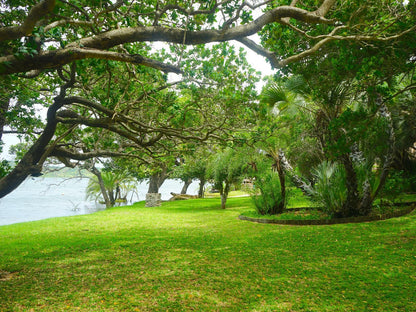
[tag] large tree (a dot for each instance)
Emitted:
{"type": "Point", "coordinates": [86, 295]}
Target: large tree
{"type": "Point", "coordinates": [355, 83]}
{"type": "Point", "coordinates": [52, 44]}
{"type": "Point", "coordinates": [51, 33]}
{"type": "Point", "coordinates": [107, 109]}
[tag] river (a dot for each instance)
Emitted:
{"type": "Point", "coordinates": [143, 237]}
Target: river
{"type": "Point", "coordinates": [42, 198]}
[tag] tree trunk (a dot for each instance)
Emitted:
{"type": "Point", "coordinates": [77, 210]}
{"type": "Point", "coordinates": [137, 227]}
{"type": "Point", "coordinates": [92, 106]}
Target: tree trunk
{"type": "Point", "coordinates": [156, 180]}
{"type": "Point", "coordinates": [281, 173]}
{"type": "Point", "coordinates": [366, 203]}
{"type": "Point", "coordinates": [97, 173]}
{"type": "Point", "coordinates": [118, 192]}
{"type": "Point", "coordinates": [201, 187]}
{"type": "Point", "coordinates": [297, 181]}
{"type": "Point", "coordinates": [350, 207]}
{"type": "Point", "coordinates": [223, 200]}
{"type": "Point", "coordinates": [185, 186]}
{"type": "Point", "coordinates": [32, 161]}
{"type": "Point", "coordinates": [4, 107]}
{"type": "Point", "coordinates": [224, 194]}
{"type": "Point", "coordinates": [153, 185]}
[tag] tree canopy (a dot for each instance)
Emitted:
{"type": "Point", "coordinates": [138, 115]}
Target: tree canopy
{"type": "Point", "coordinates": [100, 70]}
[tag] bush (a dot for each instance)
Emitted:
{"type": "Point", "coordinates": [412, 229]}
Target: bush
{"type": "Point", "coordinates": [330, 189]}
{"type": "Point", "coordinates": [267, 195]}
{"type": "Point", "coordinates": [395, 185]}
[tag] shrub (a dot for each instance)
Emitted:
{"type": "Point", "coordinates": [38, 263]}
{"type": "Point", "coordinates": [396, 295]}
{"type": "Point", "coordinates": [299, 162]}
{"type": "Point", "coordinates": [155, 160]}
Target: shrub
{"type": "Point", "coordinates": [267, 195]}
{"type": "Point", "coordinates": [395, 185]}
{"type": "Point", "coordinates": [330, 189]}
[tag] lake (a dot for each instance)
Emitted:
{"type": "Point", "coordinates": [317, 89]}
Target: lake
{"type": "Point", "coordinates": [42, 198]}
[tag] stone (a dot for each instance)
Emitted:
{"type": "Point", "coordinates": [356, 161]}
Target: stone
{"type": "Point", "coordinates": [153, 199]}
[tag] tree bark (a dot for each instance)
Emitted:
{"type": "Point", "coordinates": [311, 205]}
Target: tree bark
{"type": "Point", "coordinates": [201, 187]}
{"type": "Point", "coordinates": [97, 173]}
{"type": "Point", "coordinates": [223, 200]}
{"type": "Point", "coordinates": [281, 173]}
{"type": "Point", "coordinates": [186, 185]}
{"type": "Point", "coordinates": [224, 194]}
{"type": "Point", "coordinates": [32, 161]}
{"type": "Point", "coordinates": [350, 207]}
{"type": "Point", "coordinates": [156, 180]}
{"type": "Point", "coordinates": [297, 181]}
{"type": "Point", "coordinates": [4, 108]}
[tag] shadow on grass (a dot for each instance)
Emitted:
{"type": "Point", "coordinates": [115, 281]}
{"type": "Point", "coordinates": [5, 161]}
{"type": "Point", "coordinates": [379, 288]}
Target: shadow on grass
{"type": "Point", "coordinates": [198, 205]}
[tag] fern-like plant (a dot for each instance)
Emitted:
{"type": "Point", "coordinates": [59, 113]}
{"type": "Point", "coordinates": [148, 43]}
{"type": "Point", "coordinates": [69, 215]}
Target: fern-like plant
{"type": "Point", "coordinates": [330, 189]}
{"type": "Point", "coordinates": [267, 195]}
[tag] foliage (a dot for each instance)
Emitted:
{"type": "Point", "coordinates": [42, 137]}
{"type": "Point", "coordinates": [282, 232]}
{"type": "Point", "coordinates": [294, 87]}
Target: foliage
{"type": "Point", "coordinates": [4, 168]}
{"type": "Point", "coordinates": [330, 187]}
{"type": "Point", "coordinates": [267, 195]}
{"type": "Point", "coordinates": [395, 185]}
{"type": "Point", "coordinates": [226, 168]}
{"type": "Point", "coordinates": [118, 186]}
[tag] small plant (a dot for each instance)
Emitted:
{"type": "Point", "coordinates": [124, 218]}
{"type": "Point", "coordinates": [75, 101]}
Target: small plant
{"type": "Point", "coordinates": [267, 195]}
{"type": "Point", "coordinates": [330, 188]}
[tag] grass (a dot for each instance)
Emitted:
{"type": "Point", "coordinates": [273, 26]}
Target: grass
{"type": "Point", "coordinates": [239, 193]}
{"type": "Point", "coordinates": [304, 214]}
{"type": "Point", "coordinates": [193, 256]}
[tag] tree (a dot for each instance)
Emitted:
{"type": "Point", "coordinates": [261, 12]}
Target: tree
{"type": "Point", "coordinates": [284, 130]}
{"type": "Point", "coordinates": [225, 169]}
{"type": "Point", "coordinates": [49, 40]}
{"type": "Point", "coordinates": [85, 30]}
{"type": "Point", "coordinates": [193, 166]}
{"type": "Point", "coordinates": [138, 117]}
{"type": "Point", "coordinates": [353, 83]}
{"type": "Point", "coordinates": [112, 187]}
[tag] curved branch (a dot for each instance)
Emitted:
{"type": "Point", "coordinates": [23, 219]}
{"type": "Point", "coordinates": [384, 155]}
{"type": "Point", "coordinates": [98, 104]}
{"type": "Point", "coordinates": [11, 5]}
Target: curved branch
{"type": "Point", "coordinates": [35, 14]}
{"type": "Point", "coordinates": [329, 38]}
{"type": "Point", "coordinates": [67, 21]}
{"type": "Point", "coordinates": [275, 62]}
{"type": "Point", "coordinates": [61, 152]}
{"type": "Point", "coordinates": [87, 47]}
{"type": "Point", "coordinates": [175, 35]}
{"type": "Point", "coordinates": [52, 59]}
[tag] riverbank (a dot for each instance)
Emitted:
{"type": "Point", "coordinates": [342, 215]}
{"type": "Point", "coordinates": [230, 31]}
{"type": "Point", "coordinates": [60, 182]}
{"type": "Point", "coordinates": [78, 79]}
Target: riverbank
{"type": "Point", "coordinates": [42, 198]}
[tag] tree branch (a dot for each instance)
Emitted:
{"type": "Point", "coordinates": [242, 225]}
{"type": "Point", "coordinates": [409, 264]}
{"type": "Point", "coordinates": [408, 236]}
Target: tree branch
{"type": "Point", "coordinates": [65, 153]}
{"type": "Point", "coordinates": [67, 21]}
{"type": "Point", "coordinates": [325, 7]}
{"type": "Point", "coordinates": [52, 59]}
{"type": "Point", "coordinates": [35, 14]}
{"type": "Point", "coordinates": [95, 46]}
{"type": "Point", "coordinates": [275, 62]}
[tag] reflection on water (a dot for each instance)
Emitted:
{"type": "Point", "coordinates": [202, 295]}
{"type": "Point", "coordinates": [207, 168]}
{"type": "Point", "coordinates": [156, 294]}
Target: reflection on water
{"type": "Point", "coordinates": [41, 198]}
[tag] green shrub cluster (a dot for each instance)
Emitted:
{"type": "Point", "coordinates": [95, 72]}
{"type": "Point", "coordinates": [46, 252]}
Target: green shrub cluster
{"type": "Point", "coordinates": [267, 195]}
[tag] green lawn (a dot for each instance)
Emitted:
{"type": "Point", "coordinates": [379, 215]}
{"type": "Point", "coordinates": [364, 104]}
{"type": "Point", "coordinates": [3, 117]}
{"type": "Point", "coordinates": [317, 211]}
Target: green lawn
{"type": "Point", "coordinates": [193, 256]}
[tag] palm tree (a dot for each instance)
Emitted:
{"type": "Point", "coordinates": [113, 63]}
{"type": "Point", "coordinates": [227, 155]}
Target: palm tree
{"type": "Point", "coordinates": [283, 101]}
{"type": "Point", "coordinates": [110, 186]}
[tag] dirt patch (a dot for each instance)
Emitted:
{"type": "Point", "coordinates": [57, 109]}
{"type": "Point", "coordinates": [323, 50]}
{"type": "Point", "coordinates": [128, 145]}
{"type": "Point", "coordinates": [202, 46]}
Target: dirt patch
{"type": "Point", "coordinates": [6, 276]}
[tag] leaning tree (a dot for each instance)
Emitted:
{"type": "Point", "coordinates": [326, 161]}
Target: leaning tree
{"type": "Point", "coordinates": [44, 43]}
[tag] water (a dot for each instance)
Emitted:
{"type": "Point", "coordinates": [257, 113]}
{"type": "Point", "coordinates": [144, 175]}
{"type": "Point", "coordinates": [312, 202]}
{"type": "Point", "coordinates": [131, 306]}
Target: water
{"type": "Point", "coordinates": [42, 198]}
